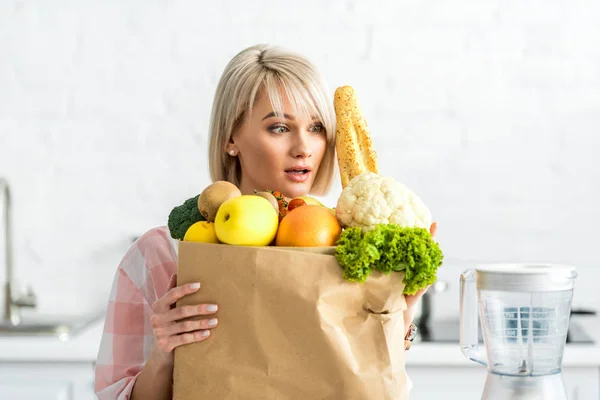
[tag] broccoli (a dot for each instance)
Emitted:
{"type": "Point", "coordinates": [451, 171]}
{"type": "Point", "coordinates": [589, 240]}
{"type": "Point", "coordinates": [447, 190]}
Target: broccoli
{"type": "Point", "coordinates": [184, 216]}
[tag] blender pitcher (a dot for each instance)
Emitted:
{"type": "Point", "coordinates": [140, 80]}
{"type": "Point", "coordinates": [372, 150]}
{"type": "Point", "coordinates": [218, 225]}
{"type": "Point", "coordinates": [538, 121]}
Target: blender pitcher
{"type": "Point", "coordinates": [524, 312]}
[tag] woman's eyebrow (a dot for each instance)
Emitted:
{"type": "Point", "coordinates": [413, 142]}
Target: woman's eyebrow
{"type": "Point", "coordinates": [287, 116]}
{"type": "Point", "coordinates": [274, 114]}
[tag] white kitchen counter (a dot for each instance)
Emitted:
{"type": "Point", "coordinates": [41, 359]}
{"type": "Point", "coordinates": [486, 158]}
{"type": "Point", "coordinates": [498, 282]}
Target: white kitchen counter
{"type": "Point", "coordinates": [84, 348]}
{"type": "Point", "coordinates": [575, 355]}
{"type": "Point", "coordinates": [81, 348]}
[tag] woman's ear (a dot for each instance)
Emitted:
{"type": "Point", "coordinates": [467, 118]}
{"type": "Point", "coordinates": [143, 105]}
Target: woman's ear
{"type": "Point", "coordinates": [230, 147]}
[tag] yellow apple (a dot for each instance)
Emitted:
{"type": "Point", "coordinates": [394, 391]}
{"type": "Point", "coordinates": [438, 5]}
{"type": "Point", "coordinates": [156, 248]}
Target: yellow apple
{"type": "Point", "coordinates": [311, 200]}
{"type": "Point", "coordinates": [246, 220]}
{"type": "Point", "coordinates": [201, 231]}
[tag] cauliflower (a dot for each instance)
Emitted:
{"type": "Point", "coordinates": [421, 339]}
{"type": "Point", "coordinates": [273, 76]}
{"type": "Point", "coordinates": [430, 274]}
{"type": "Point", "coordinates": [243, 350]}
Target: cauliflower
{"type": "Point", "coordinates": [370, 199]}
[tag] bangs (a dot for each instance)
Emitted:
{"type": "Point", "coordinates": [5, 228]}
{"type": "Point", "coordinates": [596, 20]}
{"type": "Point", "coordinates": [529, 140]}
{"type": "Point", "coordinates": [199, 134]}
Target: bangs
{"type": "Point", "coordinates": [306, 98]}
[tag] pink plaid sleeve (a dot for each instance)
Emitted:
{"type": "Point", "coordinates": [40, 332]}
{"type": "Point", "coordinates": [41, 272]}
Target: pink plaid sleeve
{"type": "Point", "coordinates": [142, 277]}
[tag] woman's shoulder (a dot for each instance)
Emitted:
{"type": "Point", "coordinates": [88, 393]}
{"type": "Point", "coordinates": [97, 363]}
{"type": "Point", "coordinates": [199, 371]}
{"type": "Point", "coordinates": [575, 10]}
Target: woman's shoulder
{"type": "Point", "coordinates": [152, 254]}
{"type": "Point", "coordinates": [157, 239]}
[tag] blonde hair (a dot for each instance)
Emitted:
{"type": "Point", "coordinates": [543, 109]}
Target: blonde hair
{"type": "Point", "coordinates": [271, 68]}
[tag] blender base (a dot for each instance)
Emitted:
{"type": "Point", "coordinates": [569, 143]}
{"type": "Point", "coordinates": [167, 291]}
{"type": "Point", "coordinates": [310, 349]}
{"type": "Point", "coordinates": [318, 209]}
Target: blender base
{"type": "Point", "coordinates": [505, 387]}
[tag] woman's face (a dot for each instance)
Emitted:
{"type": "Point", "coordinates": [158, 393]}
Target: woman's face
{"type": "Point", "coordinates": [278, 152]}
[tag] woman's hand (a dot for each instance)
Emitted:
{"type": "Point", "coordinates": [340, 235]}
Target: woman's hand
{"type": "Point", "coordinates": [169, 331]}
{"type": "Point", "coordinates": [411, 307]}
{"type": "Point", "coordinates": [413, 299]}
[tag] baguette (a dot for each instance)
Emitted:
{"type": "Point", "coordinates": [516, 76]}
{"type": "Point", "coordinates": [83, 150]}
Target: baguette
{"type": "Point", "coordinates": [355, 151]}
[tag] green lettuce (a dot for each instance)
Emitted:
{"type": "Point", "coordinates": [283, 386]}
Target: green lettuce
{"type": "Point", "coordinates": [390, 248]}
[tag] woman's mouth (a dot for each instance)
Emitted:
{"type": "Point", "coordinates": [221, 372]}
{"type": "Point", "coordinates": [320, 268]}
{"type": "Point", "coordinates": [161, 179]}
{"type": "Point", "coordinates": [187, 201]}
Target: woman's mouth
{"type": "Point", "coordinates": [298, 174]}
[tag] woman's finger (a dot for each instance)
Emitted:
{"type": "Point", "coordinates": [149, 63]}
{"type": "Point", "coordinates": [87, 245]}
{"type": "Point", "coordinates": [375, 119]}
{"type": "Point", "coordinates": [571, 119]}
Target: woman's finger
{"type": "Point", "coordinates": [159, 320]}
{"type": "Point", "coordinates": [186, 326]}
{"type": "Point", "coordinates": [186, 338]}
{"type": "Point", "coordinates": [168, 343]}
{"type": "Point", "coordinates": [190, 311]}
{"type": "Point", "coordinates": [163, 304]}
{"type": "Point", "coordinates": [433, 229]}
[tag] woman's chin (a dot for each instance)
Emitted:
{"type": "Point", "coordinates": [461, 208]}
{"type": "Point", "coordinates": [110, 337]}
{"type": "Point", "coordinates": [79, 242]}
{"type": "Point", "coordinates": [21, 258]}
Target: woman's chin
{"type": "Point", "coordinates": [295, 190]}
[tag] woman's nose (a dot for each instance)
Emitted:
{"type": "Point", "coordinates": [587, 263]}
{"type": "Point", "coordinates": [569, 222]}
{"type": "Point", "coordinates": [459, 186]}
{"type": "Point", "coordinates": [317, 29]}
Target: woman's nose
{"type": "Point", "coordinates": [301, 147]}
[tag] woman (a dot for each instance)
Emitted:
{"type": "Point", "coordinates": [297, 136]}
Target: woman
{"type": "Point", "coordinates": [272, 126]}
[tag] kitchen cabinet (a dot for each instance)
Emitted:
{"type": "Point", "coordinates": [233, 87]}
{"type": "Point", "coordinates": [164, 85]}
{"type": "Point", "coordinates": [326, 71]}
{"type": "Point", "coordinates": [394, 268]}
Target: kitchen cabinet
{"type": "Point", "coordinates": [466, 383]}
{"type": "Point", "coordinates": [47, 381]}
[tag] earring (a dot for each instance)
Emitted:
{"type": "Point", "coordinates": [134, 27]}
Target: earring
{"type": "Point", "coordinates": [231, 152]}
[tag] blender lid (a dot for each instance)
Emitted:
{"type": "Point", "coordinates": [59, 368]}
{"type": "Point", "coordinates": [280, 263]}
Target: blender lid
{"type": "Point", "coordinates": [538, 277]}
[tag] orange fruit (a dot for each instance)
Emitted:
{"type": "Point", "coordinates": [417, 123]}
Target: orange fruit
{"type": "Point", "coordinates": [308, 226]}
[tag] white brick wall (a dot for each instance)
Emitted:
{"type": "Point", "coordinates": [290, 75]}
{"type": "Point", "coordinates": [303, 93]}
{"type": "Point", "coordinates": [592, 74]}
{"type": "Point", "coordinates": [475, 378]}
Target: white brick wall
{"type": "Point", "coordinates": [489, 110]}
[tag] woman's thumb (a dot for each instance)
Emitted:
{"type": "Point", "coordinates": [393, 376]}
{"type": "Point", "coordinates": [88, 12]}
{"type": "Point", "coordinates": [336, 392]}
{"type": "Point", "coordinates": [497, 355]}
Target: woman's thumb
{"type": "Point", "coordinates": [173, 281]}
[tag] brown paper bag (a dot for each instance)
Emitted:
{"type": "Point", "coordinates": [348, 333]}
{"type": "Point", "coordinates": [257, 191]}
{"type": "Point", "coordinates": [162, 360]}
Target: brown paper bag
{"type": "Point", "coordinates": [290, 327]}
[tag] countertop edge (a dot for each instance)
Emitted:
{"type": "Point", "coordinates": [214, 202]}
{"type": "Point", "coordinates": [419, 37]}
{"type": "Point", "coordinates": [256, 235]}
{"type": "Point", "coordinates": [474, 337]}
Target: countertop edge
{"type": "Point", "coordinates": [84, 349]}
{"type": "Point", "coordinates": [444, 355]}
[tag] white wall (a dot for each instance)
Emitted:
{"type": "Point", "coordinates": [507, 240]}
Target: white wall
{"type": "Point", "coordinates": [488, 110]}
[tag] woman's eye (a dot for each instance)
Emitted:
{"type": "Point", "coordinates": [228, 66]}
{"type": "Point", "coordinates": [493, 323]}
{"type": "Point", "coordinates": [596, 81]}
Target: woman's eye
{"type": "Point", "coordinates": [278, 129]}
{"type": "Point", "coordinates": [316, 128]}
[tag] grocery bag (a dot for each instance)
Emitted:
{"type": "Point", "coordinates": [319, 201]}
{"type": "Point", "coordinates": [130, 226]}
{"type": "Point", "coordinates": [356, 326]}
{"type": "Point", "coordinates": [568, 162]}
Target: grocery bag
{"type": "Point", "coordinates": [290, 327]}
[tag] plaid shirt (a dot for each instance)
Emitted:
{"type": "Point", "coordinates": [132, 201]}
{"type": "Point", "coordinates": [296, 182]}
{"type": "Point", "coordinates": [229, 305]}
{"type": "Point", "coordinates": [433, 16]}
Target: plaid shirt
{"type": "Point", "coordinates": [141, 278]}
